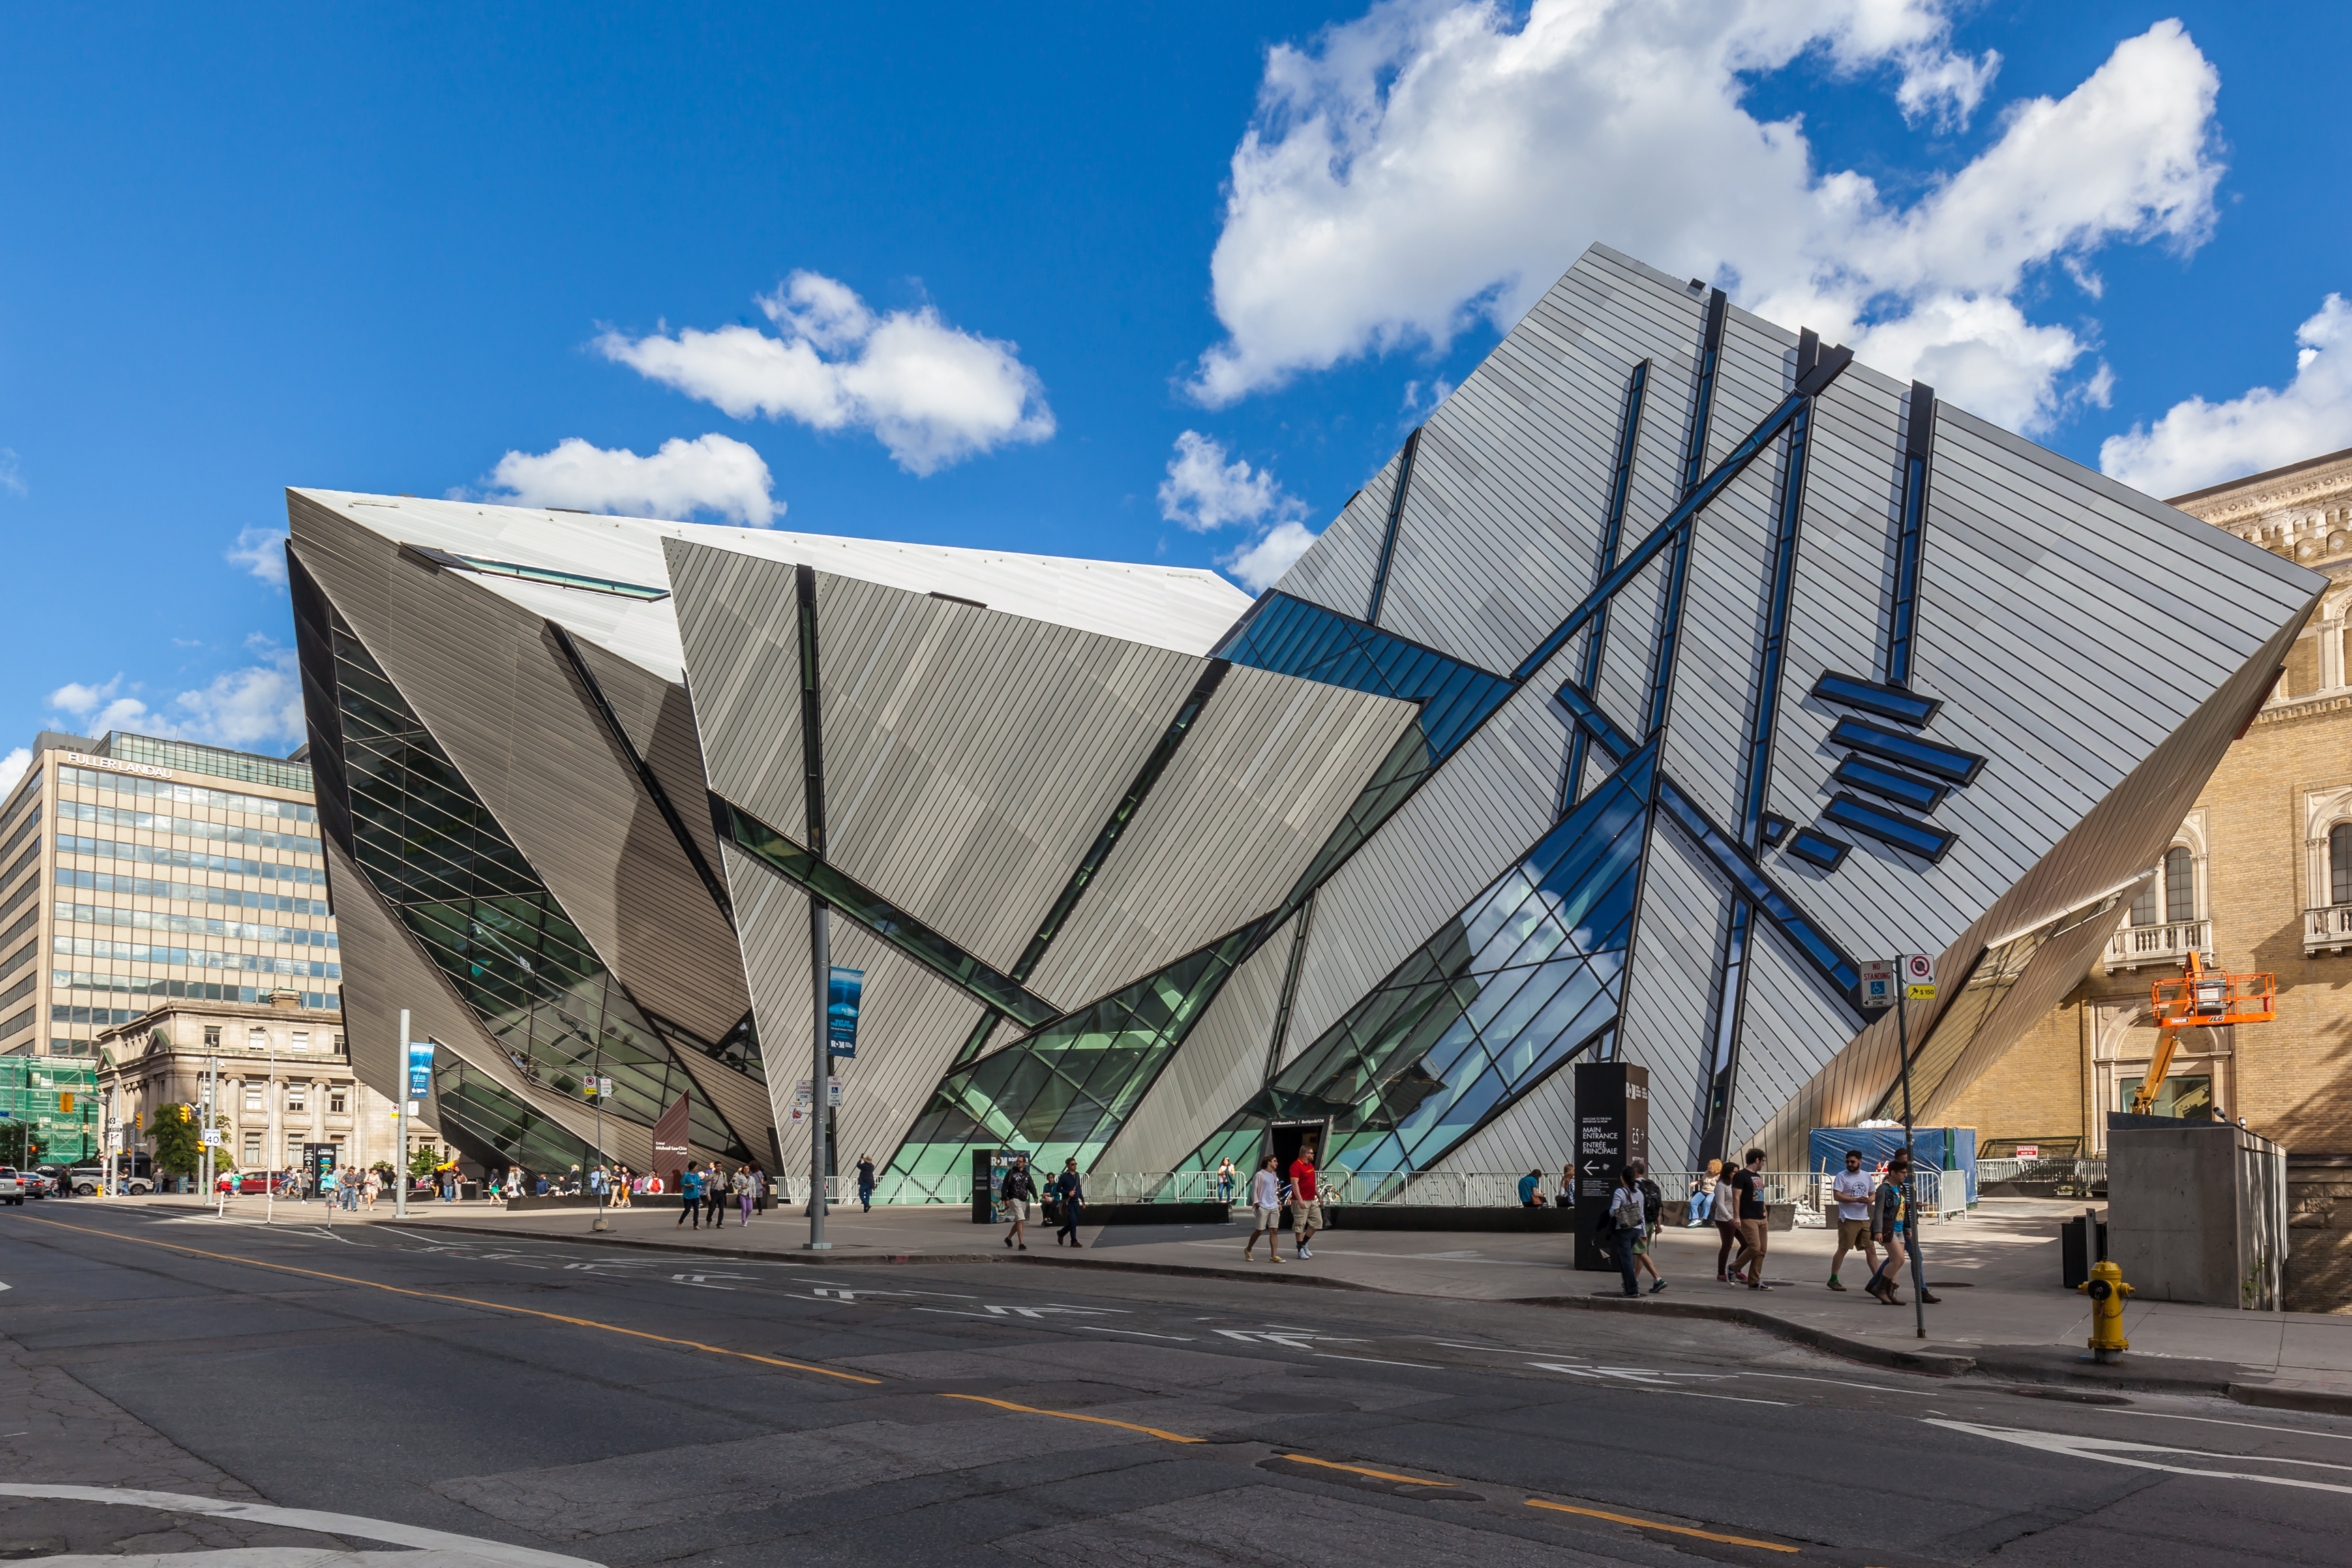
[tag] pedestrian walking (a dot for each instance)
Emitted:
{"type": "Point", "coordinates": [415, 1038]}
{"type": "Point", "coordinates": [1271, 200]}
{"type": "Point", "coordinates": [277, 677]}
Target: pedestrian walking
{"type": "Point", "coordinates": [1894, 1220]}
{"type": "Point", "coordinates": [1070, 1191]}
{"type": "Point", "coordinates": [1625, 1224]}
{"type": "Point", "coordinates": [1266, 1210]}
{"type": "Point", "coordinates": [1724, 1214]}
{"type": "Point", "coordinates": [1654, 1208]}
{"type": "Point", "coordinates": [865, 1182]}
{"type": "Point", "coordinates": [1702, 1192]}
{"type": "Point", "coordinates": [375, 1185]}
{"type": "Point", "coordinates": [1306, 1205]}
{"type": "Point", "coordinates": [1018, 1192]}
{"type": "Point", "coordinates": [714, 1195]}
{"type": "Point", "coordinates": [1748, 1184]}
{"type": "Point", "coordinates": [1851, 1188]}
{"type": "Point", "coordinates": [747, 1190]}
{"type": "Point", "coordinates": [1225, 1180]}
{"type": "Point", "coordinates": [690, 1193]}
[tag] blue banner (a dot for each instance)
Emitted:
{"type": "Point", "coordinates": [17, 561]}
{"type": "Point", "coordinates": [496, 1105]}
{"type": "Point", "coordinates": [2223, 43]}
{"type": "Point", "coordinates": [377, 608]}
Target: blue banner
{"type": "Point", "coordinates": [420, 1068]}
{"type": "Point", "coordinates": [841, 1011]}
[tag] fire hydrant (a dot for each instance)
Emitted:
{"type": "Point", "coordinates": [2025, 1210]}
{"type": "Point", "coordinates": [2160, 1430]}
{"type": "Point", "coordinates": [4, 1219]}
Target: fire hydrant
{"type": "Point", "coordinates": [2106, 1289]}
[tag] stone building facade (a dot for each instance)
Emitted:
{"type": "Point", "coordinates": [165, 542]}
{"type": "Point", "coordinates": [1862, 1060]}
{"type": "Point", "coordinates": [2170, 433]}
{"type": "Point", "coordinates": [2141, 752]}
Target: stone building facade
{"type": "Point", "coordinates": [2258, 879]}
{"type": "Point", "coordinates": [285, 1079]}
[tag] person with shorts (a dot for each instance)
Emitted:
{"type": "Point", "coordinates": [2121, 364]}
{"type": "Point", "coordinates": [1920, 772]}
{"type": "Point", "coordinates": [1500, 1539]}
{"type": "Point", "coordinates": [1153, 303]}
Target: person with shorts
{"type": "Point", "coordinates": [1654, 1204]}
{"type": "Point", "coordinates": [1851, 1188]}
{"type": "Point", "coordinates": [1018, 1191]}
{"type": "Point", "coordinates": [1306, 1209]}
{"type": "Point", "coordinates": [1755, 1220]}
{"type": "Point", "coordinates": [1266, 1210]}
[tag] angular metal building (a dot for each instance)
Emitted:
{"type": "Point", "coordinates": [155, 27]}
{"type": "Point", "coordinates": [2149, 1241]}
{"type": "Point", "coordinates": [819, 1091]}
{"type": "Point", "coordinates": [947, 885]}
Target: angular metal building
{"type": "Point", "coordinates": [1676, 665]}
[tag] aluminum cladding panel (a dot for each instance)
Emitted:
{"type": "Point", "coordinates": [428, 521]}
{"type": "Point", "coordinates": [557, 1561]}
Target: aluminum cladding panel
{"type": "Point", "coordinates": [971, 758]}
{"type": "Point", "coordinates": [1271, 767]}
{"type": "Point", "coordinates": [1337, 569]}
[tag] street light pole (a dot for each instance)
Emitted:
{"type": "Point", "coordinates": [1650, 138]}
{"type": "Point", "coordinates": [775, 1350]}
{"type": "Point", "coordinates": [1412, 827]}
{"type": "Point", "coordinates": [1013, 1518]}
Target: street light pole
{"type": "Point", "coordinates": [1910, 1162]}
{"type": "Point", "coordinates": [820, 981]}
{"type": "Point", "coordinates": [400, 1141]}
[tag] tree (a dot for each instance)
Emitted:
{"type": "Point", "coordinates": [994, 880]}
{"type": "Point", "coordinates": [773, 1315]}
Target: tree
{"type": "Point", "coordinates": [423, 1163]}
{"type": "Point", "coordinates": [179, 1140]}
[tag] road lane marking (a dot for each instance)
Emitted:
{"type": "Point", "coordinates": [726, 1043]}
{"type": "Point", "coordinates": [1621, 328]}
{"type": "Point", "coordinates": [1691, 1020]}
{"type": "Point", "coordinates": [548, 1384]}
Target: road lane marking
{"type": "Point", "coordinates": [1106, 1329]}
{"type": "Point", "coordinates": [2217, 1421]}
{"type": "Point", "coordinates": [2114, 1451]}
{"type": "Point", "coordinates": [1694, 1394]}
{"type": "Point", "coordinates": [1654, 1524]}
{"type": "Point", "coordinates": [1071, 1415]}
{"type": "Point", "coordinates": [1359, 1470]}
{"type": "Point", "coordinates": [471, 1546]}
{"type": "Point", "coordinates": [1329, 1355]}
{"type": "Point", "coordinates": [1842, 1383]}
{"type": "Point", "coordinates": [463, 1301]}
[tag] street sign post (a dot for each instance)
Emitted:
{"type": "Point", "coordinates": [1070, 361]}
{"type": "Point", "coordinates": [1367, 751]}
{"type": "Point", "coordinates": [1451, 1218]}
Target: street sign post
{"type": "Point", "coordinates": [1612, 1127]}
{"type": "Point", "coordinates": [1876, 992]}
{"type": "Point", "coordinates": [1918, 972]}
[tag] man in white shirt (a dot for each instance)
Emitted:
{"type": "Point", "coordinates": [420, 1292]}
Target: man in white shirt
{"type": "Point", "coordinates": [1266, 1210]}
{"type": "Point", "coordinates": [1852, 1187]}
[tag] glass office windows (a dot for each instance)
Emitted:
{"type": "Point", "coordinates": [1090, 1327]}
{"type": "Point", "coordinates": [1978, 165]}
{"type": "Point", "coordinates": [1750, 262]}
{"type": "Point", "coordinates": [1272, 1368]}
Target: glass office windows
{"type": "Point", "coordinates": [1518, 982]}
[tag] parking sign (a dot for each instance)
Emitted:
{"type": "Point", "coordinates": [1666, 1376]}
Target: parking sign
{"type": "Point", "coordinates": [1877, 991]}
{"type": "Point", "coordinates": [1919, 977]}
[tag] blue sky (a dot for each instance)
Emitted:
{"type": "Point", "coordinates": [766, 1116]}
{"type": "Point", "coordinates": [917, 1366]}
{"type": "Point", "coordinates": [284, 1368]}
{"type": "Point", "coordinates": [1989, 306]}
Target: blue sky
{"type": "Point", "coordinates": [933, 273]}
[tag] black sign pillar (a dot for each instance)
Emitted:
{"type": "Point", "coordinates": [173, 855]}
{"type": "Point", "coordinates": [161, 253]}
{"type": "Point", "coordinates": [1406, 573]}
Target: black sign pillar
{"type": "Point", "coordinates": [1613, 1126]}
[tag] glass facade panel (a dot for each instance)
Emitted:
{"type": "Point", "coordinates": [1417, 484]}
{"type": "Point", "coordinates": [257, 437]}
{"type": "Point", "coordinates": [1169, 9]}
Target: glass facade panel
{"type": "Point", "coordinates": [1483, 1011]}
{"type": "Point", "coordinates": [1064, 1091]}
{"type": "Point", "coordinates": [477, 910]}
{"type": "Point", "coordinates": [495, 1128]}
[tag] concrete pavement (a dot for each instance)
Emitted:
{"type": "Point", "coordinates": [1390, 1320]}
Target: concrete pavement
{"type": "Point", "coordinates": [2001, 1310]}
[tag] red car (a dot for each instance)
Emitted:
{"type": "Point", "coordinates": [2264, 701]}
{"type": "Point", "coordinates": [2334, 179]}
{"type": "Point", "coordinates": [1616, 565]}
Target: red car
{"type": "Point", "coordinates": [249, 1182]}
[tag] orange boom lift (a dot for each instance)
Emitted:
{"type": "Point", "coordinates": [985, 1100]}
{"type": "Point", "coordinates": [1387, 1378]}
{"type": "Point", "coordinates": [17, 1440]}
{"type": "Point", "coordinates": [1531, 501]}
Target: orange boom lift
{"type": "Point", "coordinates": [2196, 1000]}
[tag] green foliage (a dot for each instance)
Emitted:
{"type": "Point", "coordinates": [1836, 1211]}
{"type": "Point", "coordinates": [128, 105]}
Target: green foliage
{"type": "Point", "coordinates": [179, 1140]}
{"type": "Point", "coordinates": [423, 1163]}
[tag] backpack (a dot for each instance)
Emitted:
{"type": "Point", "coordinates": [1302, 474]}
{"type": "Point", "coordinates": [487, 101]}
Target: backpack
{"type": "Point", "coordinates": [1654, 1202]}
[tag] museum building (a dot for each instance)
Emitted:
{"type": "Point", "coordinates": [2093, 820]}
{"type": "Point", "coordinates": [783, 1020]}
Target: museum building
{"type": "Point", "coordinates": [1675, 666]}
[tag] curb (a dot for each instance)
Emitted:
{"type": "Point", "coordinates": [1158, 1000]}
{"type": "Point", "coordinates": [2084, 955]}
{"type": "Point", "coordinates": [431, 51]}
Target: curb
{"type": "Point", "coordinates": [2277, 1396]}
{"type": "Point", "coordinates": [1933, 1363]}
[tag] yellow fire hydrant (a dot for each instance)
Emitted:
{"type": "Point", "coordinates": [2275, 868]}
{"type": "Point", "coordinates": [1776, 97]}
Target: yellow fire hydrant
{"type": "Point", "coordinates": [2106, 1289]}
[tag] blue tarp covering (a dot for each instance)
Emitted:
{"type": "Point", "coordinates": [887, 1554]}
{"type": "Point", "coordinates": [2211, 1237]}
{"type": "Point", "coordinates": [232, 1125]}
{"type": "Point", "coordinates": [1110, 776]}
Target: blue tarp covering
{"type": "Point", "coordinates": [1939, 1148]}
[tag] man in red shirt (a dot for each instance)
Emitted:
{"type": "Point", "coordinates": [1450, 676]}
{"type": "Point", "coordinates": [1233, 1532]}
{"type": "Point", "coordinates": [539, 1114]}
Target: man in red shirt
{"type": "Point", "coordinates": [1305, 1210]}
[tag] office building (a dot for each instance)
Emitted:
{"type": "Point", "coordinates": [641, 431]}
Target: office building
{"type": "Point", "coordinates": [1675, 667]}
{"type": "Point", "coordinates": [136, 870]}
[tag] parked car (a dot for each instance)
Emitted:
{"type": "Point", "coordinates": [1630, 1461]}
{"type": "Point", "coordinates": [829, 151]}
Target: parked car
{"type": "Point", "coordinates": [53, 1180]}
{"type": "Point", "coordinates": [89, 1179]}
{"type": "Point", "coordinates": [39, 1184]}
{"type": "Point", "coordinates": [12, 1186]}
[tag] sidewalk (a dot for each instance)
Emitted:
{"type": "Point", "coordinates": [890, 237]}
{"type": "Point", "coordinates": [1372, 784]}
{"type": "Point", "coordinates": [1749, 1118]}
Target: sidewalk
{"type": "Point", "coordinates": [2003, 1312]}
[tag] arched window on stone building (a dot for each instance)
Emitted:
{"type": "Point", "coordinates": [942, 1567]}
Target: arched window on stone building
{"type": "Point", "coordinates": [2171, 897]}
{"type": "Point", "coordinates": [2339, 864]}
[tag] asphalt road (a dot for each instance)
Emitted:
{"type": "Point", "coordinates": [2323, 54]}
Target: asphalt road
{"type": "Point", "coordinates": [413, 1398]}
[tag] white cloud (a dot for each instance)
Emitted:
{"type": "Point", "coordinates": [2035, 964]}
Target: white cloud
{"type": "Point", "coordinates": [2199, 443]}
{"type": "Point", "coordinates": [1434, 164]}
{"type": "Point", "coordinates": [713, 473]}
{"type": "Point", "coordinates": [12, 768]}
{"type": "Point", "coordinates": [1202, 491]}
{"type": "Point", "coordinates": [258, 707]}
{"type": "Point", "coordinates": [1256, 566]}
{"type": "Point", "coordinates": [262, 551]}
{"type": "Point", "coordinates": [11, 480]}
{"type": "Point", "coordinates": [932, 394]}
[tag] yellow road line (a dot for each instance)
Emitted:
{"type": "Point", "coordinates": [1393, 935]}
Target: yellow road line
{"type": "Point", "coordinates": [464, 1300]}
{"type": "Point", "coordinates": [1654, 1524]}
{"type": "Point", "coordinates": [1070, 1415]}
{"type": "Point", "coordinates": [1358, 1470]}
